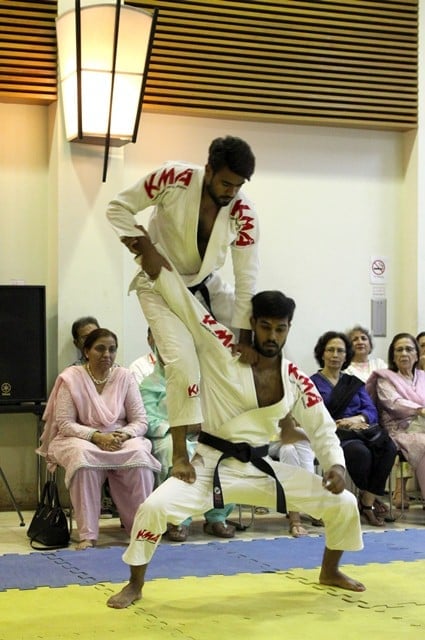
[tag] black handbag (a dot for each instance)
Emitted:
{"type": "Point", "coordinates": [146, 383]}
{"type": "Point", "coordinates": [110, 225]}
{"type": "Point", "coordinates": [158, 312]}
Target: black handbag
{"type": "Point", "coordinates": [49, 525]}
{"type": "Point", "coordinates": [374, 435]}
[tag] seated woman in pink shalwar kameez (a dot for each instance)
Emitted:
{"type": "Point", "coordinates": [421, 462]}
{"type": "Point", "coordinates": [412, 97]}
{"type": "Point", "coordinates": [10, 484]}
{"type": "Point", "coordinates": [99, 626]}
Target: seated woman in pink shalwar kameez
{"type": "Point", "coordinates": [95, 423]}
{"type": "Point", "coordinates": [399, 393]}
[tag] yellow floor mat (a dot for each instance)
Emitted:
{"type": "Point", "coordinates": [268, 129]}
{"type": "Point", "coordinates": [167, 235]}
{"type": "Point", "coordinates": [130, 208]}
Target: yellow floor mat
{"type": "Point", "coordinates": [271, 606]}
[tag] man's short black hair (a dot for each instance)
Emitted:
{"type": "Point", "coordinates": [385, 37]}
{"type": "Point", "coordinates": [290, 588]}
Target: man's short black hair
{"type": "Point", "coordinates": [233, 153]}
{"type": "Point", "coordinates": [272, 304]}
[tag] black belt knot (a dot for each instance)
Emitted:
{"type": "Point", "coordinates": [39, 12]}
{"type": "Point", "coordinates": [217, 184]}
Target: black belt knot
{"type": "Point", "coordinates": [203, 290]}
{"type": "Point", "coordinates": [243, 452]}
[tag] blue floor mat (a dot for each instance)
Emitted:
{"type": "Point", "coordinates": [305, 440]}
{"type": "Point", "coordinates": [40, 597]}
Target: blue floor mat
{"type": "Point", "coordinates": [66, 567]}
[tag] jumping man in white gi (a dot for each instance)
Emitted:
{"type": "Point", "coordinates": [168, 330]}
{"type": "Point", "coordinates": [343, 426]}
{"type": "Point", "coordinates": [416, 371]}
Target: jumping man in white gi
{"type": "Point", "coordinates": [242, 405]}
{"type": "Point", "coordinates": [200, 215]}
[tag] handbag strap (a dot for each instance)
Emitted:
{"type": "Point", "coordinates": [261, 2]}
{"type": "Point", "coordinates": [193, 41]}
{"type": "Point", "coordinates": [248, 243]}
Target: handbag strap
{"type": "Point", "coordinates": [44, 494]}
{"type": "Point", "coordinates": [51, 492]}
{"type": "Point", "coordinates": [49, 548]}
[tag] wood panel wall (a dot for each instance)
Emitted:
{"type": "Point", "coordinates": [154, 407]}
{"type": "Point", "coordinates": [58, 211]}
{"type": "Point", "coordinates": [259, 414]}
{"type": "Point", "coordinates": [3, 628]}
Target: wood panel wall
{"type": "Point", "coordinates": [339, 62]}
{"type": "Point", "coordinates": [335, 62]}
{"type": "Point", "coordinates": [28, 51]}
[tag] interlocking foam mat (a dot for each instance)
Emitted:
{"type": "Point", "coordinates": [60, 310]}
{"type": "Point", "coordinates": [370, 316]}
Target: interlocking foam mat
{"type": "Point", "coordinates": [66, 567]}
{"type": "Point", "coordinates": [244, 606]}
{"type": "Point", "coordinates": [220, 590]}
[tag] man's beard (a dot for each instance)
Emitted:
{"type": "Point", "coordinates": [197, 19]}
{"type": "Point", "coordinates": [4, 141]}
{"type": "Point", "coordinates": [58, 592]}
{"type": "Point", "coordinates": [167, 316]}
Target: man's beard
{"type": "Point", "coordinates": [269, 350]}
{"type": "Point", "coordinates": [220, 202]}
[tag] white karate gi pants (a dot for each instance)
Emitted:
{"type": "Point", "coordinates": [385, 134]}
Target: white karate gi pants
{"type": "Point", "coordinates": [175, 345]}
{"type": "Point", "coordinates": [241, 483]}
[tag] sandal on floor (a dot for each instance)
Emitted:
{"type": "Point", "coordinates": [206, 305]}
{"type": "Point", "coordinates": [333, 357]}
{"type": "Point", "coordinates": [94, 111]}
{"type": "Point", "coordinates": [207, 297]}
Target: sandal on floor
{"type": "Point", "coordinates": [317, 522]}
{"type": "Point", "coordinates": [297, 530]}
{"type": "Point", "coordinates": [177, 533]}
{"type": "Point", "coordinates": [380, 507]}
{"type": "Point", "coordinates": [369, 516]}
{"type": "Point", "coordinates": [220, 529]}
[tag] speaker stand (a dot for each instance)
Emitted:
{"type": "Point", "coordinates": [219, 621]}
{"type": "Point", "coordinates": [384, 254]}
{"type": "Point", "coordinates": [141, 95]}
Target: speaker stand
{"type": "Point", "coordinates": [12, 497]}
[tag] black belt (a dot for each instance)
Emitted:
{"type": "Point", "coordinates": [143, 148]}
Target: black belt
{"type": "Point", "coordinates": [243, 452]}
{"type": "Point", "coordinates": [201, 287]}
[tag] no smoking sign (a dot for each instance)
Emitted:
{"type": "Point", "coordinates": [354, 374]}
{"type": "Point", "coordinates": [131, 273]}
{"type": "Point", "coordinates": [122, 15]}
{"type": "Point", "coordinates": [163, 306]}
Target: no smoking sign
{"type": "Point", "coordinates": [378, 270]}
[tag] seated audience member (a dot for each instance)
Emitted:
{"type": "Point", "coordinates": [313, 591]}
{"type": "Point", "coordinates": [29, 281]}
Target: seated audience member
{"type": "Point", "coordinates": [420, 338]}
{"type": "Point", "coordinates": [143, 366]}
{"type": "Point", "coordinates": [399, 393]}
{"type": "Point", "coordinates": [352, 409]}
{"type": "Point", "coordinates": [153, 390]}
{"type": "Point", "coordinates": [80, 330]}
{"type": "Point", "coordinates": [95, 423]}
{"type": "Point", "coordinates": [293, 447]}
{"type": "Point", "coordinates": [362, 364]}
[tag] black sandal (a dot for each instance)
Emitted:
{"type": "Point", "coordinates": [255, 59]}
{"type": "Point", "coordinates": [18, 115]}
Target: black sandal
{"type": "Point", "coordinates": [369, 516]}
{"type": "Point", "coordinates": [178, 533]}
{"type": "Point", "coordinates": [380, 507]}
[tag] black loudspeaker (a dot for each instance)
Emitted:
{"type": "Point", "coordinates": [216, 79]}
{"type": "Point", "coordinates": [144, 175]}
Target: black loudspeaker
{"type": "Point", "coordinates": [22, 344]}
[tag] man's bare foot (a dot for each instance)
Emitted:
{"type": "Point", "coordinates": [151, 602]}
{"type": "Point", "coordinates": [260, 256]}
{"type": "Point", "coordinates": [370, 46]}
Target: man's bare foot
{"type": "Point", "coordinates": [85, 544]}
{"type": "Point", "coordinates": [129, 594]}
{"type": "Point", "coordinates": [339, 579]}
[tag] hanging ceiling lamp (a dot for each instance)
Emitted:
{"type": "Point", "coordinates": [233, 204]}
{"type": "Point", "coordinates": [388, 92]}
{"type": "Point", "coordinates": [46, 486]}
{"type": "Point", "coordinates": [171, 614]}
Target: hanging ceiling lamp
{"type": "Point", "coordinates": [104, 52]}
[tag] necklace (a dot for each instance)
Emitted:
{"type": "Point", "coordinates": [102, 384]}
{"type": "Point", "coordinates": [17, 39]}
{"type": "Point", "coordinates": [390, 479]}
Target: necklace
{"type": "Point", "coordinates": [95, 380]}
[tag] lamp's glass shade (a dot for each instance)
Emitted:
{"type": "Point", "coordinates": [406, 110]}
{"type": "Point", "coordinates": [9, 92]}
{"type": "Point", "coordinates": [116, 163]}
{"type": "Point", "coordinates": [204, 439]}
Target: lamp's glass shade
{"type": "Point", "coordinates": [97, 42]}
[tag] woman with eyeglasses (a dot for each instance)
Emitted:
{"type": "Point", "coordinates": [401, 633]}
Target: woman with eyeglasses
{"type": "Point", "coordinates": [399, 393]}
{"type": "Point", "coordinates": [95, 426]}
{"type": "Point", "coordinates": [369, 463]}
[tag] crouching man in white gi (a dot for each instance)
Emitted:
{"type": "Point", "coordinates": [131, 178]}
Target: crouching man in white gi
{"type": "Point", "coordinates": [242, 406]}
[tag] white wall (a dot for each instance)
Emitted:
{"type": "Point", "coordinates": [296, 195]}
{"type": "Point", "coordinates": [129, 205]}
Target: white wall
{"type": "Point", "coordinates": [420, 182]}
{"type": "Point", "coordinates": [328, 200]}
{"type": "Point", "coordinates": [23, 185]}
{"type": "Point", "coordinates": [24, 243]}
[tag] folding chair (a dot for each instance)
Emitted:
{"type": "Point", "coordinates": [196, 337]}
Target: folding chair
{"type": "Point", "coordinates": [12, 497]}
{"type": "Point", "coordinates": [391, 516]}
{"type": "Point", "coordinates": [239, 524]}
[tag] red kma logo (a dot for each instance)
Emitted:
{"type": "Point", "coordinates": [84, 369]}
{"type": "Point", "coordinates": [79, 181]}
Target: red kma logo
{"type": "Point", "coordinates": [226, 337]}
{"type": "Point", "coordinates": [193, 390]}
{"type": "Point", "coordinates": [161, 179]}
{"type": "Point", "coordinates": [147, 536]}
{"type": "Point", "coordinates": [244, 224]}
{"type": "Point", "coordinates": [306, 385]}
